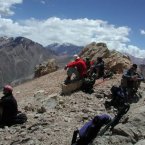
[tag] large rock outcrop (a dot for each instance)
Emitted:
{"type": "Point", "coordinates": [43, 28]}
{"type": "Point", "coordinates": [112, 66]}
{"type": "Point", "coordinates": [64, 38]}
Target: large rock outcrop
{"type": "Point", "coordinates": [114, 60]}
{"type": "Point", "coordinates": [45, 68]}
{"type": "Point", "coordinates": [18, 57]}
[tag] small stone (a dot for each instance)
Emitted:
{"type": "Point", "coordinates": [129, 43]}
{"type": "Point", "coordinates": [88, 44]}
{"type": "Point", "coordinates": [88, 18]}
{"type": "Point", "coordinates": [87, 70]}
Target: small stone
{"type": "Point", "coordinates": [61, 102]}
{"type": "Point", "coordinates": [8, 138]}
{"type": "Point", "coordinates": [23, 134]}
{"type": "Point", "coordinates": [85, 116]}
{"type": "Point", "coordinates": [41, 110]}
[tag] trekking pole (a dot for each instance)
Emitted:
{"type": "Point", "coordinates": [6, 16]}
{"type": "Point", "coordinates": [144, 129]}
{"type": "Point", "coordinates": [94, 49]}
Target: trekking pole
{"type": "Point", "coordinates": [120, 114]}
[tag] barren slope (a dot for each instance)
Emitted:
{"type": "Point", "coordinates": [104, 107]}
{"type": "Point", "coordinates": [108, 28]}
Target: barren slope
{"type": "Point", "coordinates": [52, 117]}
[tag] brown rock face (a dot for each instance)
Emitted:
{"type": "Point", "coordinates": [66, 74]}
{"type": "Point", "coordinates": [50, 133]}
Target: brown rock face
{"type": "Point", "coordinates": [117, 62]}
{"type": "Point", "coordinates": [114, 60]}
{"type": "Point", "coordinates": [45, 68]}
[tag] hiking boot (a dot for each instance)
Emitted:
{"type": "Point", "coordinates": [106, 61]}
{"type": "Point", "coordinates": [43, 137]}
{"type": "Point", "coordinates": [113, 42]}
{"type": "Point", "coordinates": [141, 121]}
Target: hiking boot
{"type": "Point", "coordinates": [67, 81]}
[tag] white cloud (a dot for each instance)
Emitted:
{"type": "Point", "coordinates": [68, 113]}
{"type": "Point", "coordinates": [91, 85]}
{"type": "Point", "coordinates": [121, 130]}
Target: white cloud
{"type": "Point", "coordinates": [43, 2]}
{"type": "Point", "coordinates": [6, 5]}
{"type": "Point", "coordinates": [79, 32]}
{"type": "Point", "coordinates": [142, 32]}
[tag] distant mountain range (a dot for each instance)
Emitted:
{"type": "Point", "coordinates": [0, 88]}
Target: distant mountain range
{"type": "Point", "coordinates": [65, 48]}
{"type": "Point", "coordinates": [18, 57]}
{"type": "Point", "coordinates": [137, 60]}
{"type": "Point", "coordinates": [71, 49]}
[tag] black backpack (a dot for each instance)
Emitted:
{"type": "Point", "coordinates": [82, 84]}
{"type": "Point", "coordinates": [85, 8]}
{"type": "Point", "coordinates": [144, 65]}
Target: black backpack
{"type": "Point", "coordinates": [119, 95]}
{"type": "Point", "coordinates": [20, 118]}
{"type": "Point", "coordinates": [88, 83]}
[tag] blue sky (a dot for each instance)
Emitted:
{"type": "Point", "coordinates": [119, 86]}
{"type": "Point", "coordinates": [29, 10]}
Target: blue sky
{"type": "Point", "coordinates": [119, 23]}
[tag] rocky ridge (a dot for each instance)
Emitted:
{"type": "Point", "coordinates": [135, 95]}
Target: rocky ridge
{"type": "Point", "coordinates": [52, 117]}
{"type": "Point", "coordinates": [18, 57]}
{"type": "Point", "coordinates": [114, 61]}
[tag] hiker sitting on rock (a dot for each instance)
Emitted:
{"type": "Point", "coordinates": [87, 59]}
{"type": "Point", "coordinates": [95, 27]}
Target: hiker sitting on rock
{"type": "Point", "coordinates": [98, 67]}
{"type": "Point", "coordinates": [77, 67]}
{"type": "Point", "coordinates": [131, 79]}
{"type": "Point", "coordinates": [90, 130]}
{"type": "Point", "coordinates": [119, 97]}
{"type": "Point", "coordinates": [9, 113]}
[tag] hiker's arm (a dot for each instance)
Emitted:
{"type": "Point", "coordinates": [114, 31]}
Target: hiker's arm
{"type": "Point", "coordinates": [127, 75]}
{"type": "Point", "coordinates": [140, 77]}
{"type": "Point", "coordinates": [72, 64]}
{"type": "Point", "coordinates": [106, 119]}
{"type": "Point", "coordinates": [137, 77]}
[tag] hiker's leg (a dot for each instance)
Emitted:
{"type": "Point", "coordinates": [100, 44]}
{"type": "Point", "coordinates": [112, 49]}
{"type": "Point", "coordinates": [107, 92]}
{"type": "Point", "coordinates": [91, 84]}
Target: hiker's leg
{"type": "Point", "coordinates": [73, 71]}
{"type": "Point", "coordinates": [69, 74]}
{"type": "Point", "coordinates": [74, 138]}
{"type": "Point", "coordinates": [77, 74]}
{"type": "Point", "coordinates": [129, 94]}
{"type": "Point", "coordinates": [136, 85]}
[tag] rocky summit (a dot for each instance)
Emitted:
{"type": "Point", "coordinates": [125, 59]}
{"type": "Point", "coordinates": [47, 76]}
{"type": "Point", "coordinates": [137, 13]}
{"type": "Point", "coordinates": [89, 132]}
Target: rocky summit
{"type": "Point", "coordinates": [114, 61]}
{"type": "Point", "coordinates": [52, 117]}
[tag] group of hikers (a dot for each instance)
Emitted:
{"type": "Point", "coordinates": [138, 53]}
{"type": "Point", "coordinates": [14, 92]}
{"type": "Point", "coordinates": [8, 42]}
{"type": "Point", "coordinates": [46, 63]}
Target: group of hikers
{"type": "Point", "coordinates": [86, 70]}
{"type": "Point", "coordinates": [121, 95]}
{"type": "Point", "coordinates": [82, 69]}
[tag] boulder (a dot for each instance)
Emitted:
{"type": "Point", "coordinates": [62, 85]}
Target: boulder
{"type": "Point", "coordinates": [71, 87]}
{"type": "Point", "coordinates": [114, 61]}
{"type": "Point", "coordinates": [45, 68]}
{"type": "Point", "coordinates": [141, 142]}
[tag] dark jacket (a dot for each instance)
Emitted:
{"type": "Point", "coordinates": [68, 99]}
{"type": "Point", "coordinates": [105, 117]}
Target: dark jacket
{"type": "Point", "coordinates": [10, 108]}
{"type": "Point", "coordinates": [89, 131]}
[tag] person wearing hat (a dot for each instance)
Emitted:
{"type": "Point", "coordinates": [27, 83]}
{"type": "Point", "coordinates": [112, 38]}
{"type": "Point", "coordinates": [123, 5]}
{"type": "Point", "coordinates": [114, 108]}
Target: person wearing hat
{"type": "Point", "coordinates": [76, 57]}
{"type": "Point", "coordinates": [9, 108]}
{"type": "Point", "coordinates": [90, 130]}
{"type": "Point", "coordinates": [77, 67]}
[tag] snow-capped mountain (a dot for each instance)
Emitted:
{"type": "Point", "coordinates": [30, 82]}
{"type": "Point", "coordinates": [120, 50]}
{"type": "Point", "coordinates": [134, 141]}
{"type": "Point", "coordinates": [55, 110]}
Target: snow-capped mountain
{"type": "Point", "coordinates": [65, 48]}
